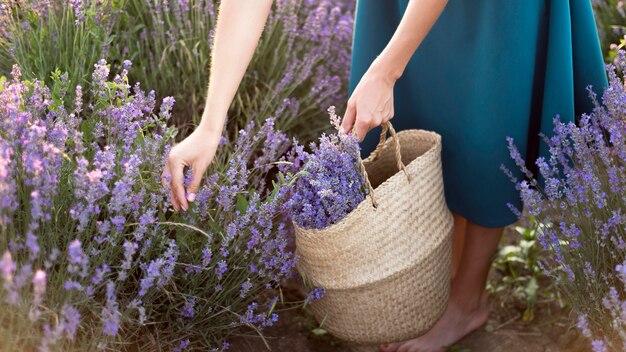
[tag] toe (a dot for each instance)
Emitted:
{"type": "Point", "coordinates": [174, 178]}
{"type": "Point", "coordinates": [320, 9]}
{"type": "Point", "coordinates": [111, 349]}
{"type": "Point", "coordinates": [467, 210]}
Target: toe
{"type": "Point", "coordinates": [389, 347]}
{"type": "Point", "coordinates": [405, 347]}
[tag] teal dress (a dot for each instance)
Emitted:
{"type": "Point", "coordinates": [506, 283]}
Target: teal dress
{"type": "Point", "coordinates": [488, 69]}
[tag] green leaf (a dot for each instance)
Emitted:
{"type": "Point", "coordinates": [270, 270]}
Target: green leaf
{"type": "Point", "coordinates": [515, 259]}
{"type": "Point", "coordinates": [509, 250]}
{"type": "Point", "coordinates": [520, 229]}
{"type": "Point", "coordinates": [526, 244]}
{"type": "Point", "coordinates": [319, 332]}
{"type": "Point", "coordinates": [242, 203]}
{"type": "Point", "coordinates": [275, 190]}
{"type": "Point", "coordinates": [531, 290]}
{"type": "Point", "coordinates": [271, 310]}
{"type": "Point", "coordinates": [529, 314]}
{"type": "Point", "coordinates": [457, 347]}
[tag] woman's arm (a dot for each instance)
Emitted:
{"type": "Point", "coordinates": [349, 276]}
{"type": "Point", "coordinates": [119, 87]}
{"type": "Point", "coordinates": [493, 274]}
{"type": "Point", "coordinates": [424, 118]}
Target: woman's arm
{"type": "Point", "coordinates": [371, 102]}
{"type": "Point", "coordinates": [239, 26]}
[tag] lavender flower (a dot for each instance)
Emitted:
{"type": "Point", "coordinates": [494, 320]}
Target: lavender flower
{"type": "Point", "coordinates": [598, 346]}
{"type": "Point", "coordinates": [315, 294]}
{"type": "Point", "coordinates": [182, 346]}
{"type": "Point", "coordinates": [111, 313]}
{"type": "Point", "coordinates": [153, 272]}
{"type": "Point", "coordinates": [331, 183]}
{"type": "Point", "coordinates": [78, 7]}
{"type": "Point", "coordinates": [39, 288]}
{"type": "Point", "coordinates": [7, 267]}
{"type": "Point", "coordinates": [77, 258]}
{"type": "Point", "coordinates": [188, 308]}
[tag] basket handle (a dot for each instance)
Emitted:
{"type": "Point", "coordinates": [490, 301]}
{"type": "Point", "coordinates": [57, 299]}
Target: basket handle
{"type": "Point", "coordinates": [376, 153]}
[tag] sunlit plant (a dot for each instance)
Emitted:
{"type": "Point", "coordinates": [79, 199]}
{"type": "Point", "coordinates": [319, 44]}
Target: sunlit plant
{"type": "Point", "coordinates": [92, 256]}
{"type": "Point", "coordinates": [300, 67]}
{"type": "Point", "coordinates": [611, 23]}
{"type": "Point", "coordinates": [69, 35]}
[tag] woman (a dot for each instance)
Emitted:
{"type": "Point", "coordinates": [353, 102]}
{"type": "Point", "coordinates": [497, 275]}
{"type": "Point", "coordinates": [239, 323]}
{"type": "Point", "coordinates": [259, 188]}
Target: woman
{"type": "Point", "coordinates": [473, 71]}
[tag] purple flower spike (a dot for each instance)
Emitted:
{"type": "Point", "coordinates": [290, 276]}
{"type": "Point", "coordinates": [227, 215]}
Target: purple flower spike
{"type": "Point", "coordinates": [331, 183]}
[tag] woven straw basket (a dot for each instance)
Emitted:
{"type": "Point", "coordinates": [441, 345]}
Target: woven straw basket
{"type": "Point", "coordinates": [386, 266]}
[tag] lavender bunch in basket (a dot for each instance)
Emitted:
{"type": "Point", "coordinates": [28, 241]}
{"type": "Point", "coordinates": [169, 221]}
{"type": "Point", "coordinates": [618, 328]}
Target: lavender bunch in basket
{"type": "Point", "coordinates": [330, 184]}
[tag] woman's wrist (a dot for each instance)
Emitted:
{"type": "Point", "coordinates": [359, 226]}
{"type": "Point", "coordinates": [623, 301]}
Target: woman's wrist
{"type": "Point", "coordinates": [211, 125]}
{"type": "Point", "coordinates": [384, 66]}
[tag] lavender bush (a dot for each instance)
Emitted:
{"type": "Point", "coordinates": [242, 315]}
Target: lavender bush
{"type": "Point", "coordinates": [580, 206]}
{"type": "Point", "coordinates": [613, 338]}
{"type": "Point", "coordinates": [43, 35]}
{"type": "Point", "coordinates": [300, 65]}
{"type": "Point", "coordinates": [330, 184]}
{"type": "Point", "coordinates": [91, 256]}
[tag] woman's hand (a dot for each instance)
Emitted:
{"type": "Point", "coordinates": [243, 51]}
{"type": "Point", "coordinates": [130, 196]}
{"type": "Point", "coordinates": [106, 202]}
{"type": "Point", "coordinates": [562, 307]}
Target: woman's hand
{"type": "Point", "coordinates": [196, 152]}
{"type": "Point", "coordinates": [371, 103]}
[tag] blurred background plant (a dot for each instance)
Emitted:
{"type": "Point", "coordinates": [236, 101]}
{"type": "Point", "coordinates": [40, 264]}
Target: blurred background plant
{"type": "Point", "coordinates": [300, 67]}
{"type": "Point", "coordinates": [42, 36]}
{"type": "Point", "coordinates": [611, 23]}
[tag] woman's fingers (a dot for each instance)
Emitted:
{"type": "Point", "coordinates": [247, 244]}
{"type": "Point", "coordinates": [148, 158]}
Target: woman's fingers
{"type": "Point", "coordinates": [194, 184]}
{"type": "Point", "coordinates": [177, 189]}
{"type": "Point", "coordinates": [166, 180]}
{"type": "Point", "coordinates": [178, 185]}
{"type": "Point", "coordinates": [362, 126]}
{"type": "Point", "coordinates": [361, 121]}
{"type": "Point", "coordinates": [165, 176]}
{"type": "Point", "coordinates": [196, 152]}
{"type": "Point", "coordinates": [349, 117]}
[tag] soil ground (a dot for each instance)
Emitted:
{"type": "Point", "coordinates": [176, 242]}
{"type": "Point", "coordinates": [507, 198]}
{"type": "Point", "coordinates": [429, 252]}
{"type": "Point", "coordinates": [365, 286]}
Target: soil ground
{"type": "Point", "coordinates": [549, 331]}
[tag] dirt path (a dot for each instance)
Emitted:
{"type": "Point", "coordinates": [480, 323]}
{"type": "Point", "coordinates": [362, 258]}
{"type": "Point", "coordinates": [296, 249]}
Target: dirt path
{"type": "Point", "coordinates": [549, 332]}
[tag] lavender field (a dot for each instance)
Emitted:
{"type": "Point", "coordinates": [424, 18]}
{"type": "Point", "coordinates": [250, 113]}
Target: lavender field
{"type": "Point", "coordinates": [94, 94]}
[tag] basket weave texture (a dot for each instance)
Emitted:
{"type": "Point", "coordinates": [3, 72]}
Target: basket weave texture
{"type": "Point", "coordinates": [386, 268]}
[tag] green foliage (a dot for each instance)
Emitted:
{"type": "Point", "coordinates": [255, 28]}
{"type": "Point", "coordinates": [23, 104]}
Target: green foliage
{"type": "Point", "coordinates": [611, 23]}
{"type": "Point", "coordinates": [44, 39]}
{"type": "Point", "coordinates": [520, 274]}
{"type": "Point", "coordinates": [172, 44]}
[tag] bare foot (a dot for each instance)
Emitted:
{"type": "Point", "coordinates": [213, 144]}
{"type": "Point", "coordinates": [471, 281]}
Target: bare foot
{"type": "Point", "coordinates": [458, 320]}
